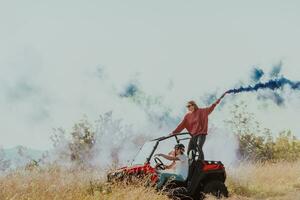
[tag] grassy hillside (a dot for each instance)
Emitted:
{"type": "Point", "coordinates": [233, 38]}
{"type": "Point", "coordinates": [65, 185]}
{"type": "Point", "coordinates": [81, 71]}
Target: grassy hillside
{"type": "Point", "coordinates": [251, 181]}
{"type": "Point", "coordinates": [278, 178]}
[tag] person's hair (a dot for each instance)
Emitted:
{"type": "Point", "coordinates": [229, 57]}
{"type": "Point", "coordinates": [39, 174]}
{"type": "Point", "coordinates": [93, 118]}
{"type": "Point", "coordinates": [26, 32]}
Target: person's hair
{"type": "Point", "coordinates": [182, 151]}
{"type": "Point", "coordinates": [194, 104]}
{"type": "Point", "coordinates": [180, 147]}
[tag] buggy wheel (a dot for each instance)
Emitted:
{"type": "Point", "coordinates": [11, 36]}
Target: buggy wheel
{"type": "Point", "coordinates": [216, 188]}
{"type": "Point", "coordinates": [179, 193]}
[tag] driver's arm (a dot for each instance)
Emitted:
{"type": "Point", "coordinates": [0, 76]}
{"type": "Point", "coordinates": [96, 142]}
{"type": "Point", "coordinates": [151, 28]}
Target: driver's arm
{"type": "Point", "coordinates": [171, 158]}
{"type": "Point", "coordinates": [170, 166]}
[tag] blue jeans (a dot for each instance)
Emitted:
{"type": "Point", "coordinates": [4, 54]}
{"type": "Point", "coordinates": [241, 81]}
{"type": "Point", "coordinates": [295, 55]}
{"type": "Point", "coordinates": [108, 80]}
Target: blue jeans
{"type": "Point", "coordinates": [163, 177]}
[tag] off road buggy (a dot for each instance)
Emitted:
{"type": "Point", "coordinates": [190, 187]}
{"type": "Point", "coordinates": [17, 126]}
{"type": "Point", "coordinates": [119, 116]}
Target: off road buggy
{"type": "Point", "coordinates": [207, 177]}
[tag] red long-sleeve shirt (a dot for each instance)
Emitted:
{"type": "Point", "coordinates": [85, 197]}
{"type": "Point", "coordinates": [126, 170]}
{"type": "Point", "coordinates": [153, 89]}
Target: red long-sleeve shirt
{"type": "Point", "coordinates": [196, 122]}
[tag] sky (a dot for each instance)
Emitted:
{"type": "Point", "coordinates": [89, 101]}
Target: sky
{"type": "Point", "coordinates": [62, 60]}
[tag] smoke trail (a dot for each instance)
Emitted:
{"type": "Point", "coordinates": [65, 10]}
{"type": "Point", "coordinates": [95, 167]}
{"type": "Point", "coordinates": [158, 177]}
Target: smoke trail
{"type": "Point", "coordinates": [130, 91]}
{"type": "Point", "coordinates": [209, 98]}
{"type": "Point", "coordinates": [257, 74]}
{"type": "Point", "coordinates": [271, 84]}
{"type": "Point", "coordinates": [276, 70]}
{"type": "Point", "coordinates": [276, 96]}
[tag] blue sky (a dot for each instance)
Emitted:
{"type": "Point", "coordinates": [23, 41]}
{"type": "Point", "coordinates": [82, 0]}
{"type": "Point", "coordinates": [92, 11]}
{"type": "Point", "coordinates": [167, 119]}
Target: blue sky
{"type": "Point", "coordinates": [60, 60]}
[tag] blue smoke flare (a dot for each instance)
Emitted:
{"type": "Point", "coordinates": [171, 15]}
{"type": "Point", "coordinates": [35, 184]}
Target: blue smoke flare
{"type": "Point", "coordinates": [272, 84]}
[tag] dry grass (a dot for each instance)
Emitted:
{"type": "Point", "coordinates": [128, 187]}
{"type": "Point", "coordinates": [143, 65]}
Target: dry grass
{"type": "Point", "coordinates": [279, 181]}
{"type": "Point", "coordinates": [54, 183]}
{"type": "Point", "coordinates": [263, 181]}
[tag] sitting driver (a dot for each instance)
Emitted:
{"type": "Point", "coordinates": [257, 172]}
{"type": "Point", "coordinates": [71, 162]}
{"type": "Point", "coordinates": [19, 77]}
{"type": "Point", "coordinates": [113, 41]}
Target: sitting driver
{"type": "Point", "coordinates": [179, 164]}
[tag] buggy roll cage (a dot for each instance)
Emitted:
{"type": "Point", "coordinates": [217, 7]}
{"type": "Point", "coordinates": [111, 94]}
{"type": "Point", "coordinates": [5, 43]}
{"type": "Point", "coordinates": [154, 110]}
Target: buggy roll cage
{"type": "Point", "coordinates": [165, 138]}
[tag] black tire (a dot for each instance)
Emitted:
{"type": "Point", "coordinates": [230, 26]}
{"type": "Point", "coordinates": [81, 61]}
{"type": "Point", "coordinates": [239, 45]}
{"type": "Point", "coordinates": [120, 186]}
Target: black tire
{"type": "Point", "coordinates": [179, 193]}
{"type": "Point", "coordinates": [216, 188]}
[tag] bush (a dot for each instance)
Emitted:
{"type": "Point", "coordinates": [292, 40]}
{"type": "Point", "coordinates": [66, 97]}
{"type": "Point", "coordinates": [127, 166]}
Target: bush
{"type": "Point", "coordinates": [82, 142]}
{"type": "Point", "coordinates": [77, 148]}
{"type": "Point", "coordinates": [259, 144]}
{"type": "Point", "coordinates": [98, 143]}
{"type": "Point", "coordinates": [286, 147]}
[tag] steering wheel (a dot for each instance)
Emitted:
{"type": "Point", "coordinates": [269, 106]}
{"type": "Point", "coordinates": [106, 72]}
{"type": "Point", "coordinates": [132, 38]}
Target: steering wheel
{"type": "Point", "coordinates": [159, 164]}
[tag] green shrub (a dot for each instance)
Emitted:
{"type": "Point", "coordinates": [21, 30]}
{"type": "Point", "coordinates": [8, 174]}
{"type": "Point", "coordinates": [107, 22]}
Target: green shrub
{"type": "Point", "coordinates": [83, 140]}
{"type": "Point", "coordinates": [78, 148]}
{"type": "Point", "coordinates": [259, 144]}
{"type": "Point", "coordinates": [286, 147]}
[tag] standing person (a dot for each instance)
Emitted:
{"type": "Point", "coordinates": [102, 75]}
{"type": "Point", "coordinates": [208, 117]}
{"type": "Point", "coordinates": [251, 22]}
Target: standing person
{"type": "Point", "coordinates": [196, 122]}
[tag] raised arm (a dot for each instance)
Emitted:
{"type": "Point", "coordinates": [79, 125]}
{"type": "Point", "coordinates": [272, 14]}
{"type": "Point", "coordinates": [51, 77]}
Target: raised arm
{"type": "Point", "coordinates": [180, 127]}
{"type": "Point", "coordinates": [212, 107]}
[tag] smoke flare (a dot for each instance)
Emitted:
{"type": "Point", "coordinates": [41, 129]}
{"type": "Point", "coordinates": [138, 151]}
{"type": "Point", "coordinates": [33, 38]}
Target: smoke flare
{"type": "Point", "coordinates": [272, 84]}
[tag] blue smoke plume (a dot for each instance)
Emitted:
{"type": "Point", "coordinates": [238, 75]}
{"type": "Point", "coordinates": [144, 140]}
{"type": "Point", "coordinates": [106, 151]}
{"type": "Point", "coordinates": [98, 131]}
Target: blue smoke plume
{"type": "Point", "coordinates": [274, 96]}
{"type": "Point", "coordinates": [276, 70]}
{"type": "Point", "coordinates": [209, 98]}
{"type": "Point", "coordinates": [272, 84]}
{"type": "Point", "coordinates": [130, 91]}
{"type": "Point", "coordinates": [257, 74]}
